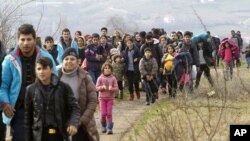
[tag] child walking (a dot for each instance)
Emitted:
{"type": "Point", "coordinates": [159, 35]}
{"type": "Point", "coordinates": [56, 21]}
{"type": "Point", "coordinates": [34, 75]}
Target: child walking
{"type": "Point", "coordinates": [167, 60]}
{"type": "Point", "coordinates": [148, 68]}
{"type": "Point", "coordinates": [118, 67]}
{"type": "Point", "coordinates": [106, 85]}
{"type": "Point", "coordinates": [205, 56]}
{"type": "Point", "coordinates": [228, 52]}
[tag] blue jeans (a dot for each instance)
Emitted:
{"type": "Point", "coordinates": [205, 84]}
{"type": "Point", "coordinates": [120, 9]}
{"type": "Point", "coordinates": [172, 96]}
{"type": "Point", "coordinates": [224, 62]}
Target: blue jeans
{"type": "Point", "coordinates": [17, 125]}
{"type": "Point", "coordinates": [94, 75]}
{"type": "Point", "coordinates": [248, 61]}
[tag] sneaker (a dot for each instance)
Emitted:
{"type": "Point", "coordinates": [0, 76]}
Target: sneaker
{"type": "Point", "coordinates": [156, 95]}
{"type": "Point", "coordinates": [138, 95]}
{"type": "Point", "coordinates": [110, 132]}
{"type": "Point", "coordinates": [147, 103]}
{"type": "Point", "coordinates": [211, 93]}
{"type": "Point", "coordinates": [104, 130]}
{"type": "Point", "coordinates": [153, 100]}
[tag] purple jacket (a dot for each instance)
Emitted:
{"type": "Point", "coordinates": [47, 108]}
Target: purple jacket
{"type": "Point", "coordinates": [90, 54]}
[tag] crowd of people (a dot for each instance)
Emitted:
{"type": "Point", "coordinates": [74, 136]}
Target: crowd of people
{"type": "Point", "coordinates": [50, 91]}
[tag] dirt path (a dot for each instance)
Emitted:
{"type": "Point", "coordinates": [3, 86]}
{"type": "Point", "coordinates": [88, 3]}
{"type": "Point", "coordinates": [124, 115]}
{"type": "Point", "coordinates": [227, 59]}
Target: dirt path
{"type": "Point", "coordinates": [125, 114]}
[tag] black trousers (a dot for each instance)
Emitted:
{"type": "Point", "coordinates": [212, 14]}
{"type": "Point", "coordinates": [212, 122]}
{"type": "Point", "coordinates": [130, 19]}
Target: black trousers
{"type": "Point", "coordinates": [151, 88]}
{"type": "Point", "coordinates": [82, 135]}
{"type": "Point", "coordinates": [172, 84]}
{"type": "Point", "coordinates": [120, 85]}
{"type": "Point", "coordinates": [133, 80]}
{"type": "Point", "coordinates": [203, 68]}
{"type": "Point", "coordinates": [2, 128]}
{"type": "Point", "coordinates": [46, 136]}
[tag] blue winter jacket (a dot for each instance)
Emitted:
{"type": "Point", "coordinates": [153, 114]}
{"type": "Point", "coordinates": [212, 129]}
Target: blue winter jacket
{"type": "Point", "coordinates": [61, 50]}
{"type": "Point", "coordinates": [12, 77]}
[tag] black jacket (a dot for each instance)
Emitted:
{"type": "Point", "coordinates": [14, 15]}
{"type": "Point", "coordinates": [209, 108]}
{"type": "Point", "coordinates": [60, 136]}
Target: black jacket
{"type": "Point", "coordinates": [136, 55]}
{"type": "Point", "coordinates": [207, 54]}
{"type": "Point", "coordinates": [192, 49]}
{"type": "Point", "coordinates": [54, 53]}
{"type": "Point", "coordinates": [67, 111]}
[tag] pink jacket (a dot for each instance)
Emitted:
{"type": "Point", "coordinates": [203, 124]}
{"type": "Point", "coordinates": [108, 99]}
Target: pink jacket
{"type": "Point", "coordinates": [107, 81]}
{"type": "Point", "coordinates": [234, 49]}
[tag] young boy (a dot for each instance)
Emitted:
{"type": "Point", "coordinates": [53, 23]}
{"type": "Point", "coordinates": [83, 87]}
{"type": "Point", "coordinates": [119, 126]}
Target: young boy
{"type": "Point", "coordinates": [148, 68]}
{"type": "Point", "coordinates": [205, 57]}
{"type": "Point", "coordinates": [51, 48]}
{"type": "Point", "coordinates": [96, 56]}
{"type": "Point", "coordinates": [50, 110]}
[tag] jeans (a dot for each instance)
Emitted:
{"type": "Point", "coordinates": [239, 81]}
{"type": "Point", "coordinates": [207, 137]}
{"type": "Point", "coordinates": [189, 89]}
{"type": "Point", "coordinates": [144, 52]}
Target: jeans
{"type": "Point", "coordinates": [172, 84]}
{"type": "Point", "coordinates": [203, 68]}
{"type": "Point", "coordinates": [94, 75]}
{"type": "Point", "coordinates": [150, 89]}
{"type": "Point", "coordinates": [248, 61]}
{"type": "Point", "coordinates": [228, 70]}
{"type": "Point", "coordinates": [17, 125]}
{"type": "Point", "coordinates": [133, 80]}
{"type": "Point", "coordinates": [106, 106]}
{"type": "Point", "coordinates": [2, 128]}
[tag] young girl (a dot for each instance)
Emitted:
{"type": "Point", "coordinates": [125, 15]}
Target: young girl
{"type": "Point", "coordinates": [228, 52]}
{"type": "Point", "coordinates": [106, 85]}
{"type": "Point", "coordinates": [118, 67]}
{"type": "Point", "coordinates": [167, 60]}
{"type": "Point", "coordinates": [81, 49]}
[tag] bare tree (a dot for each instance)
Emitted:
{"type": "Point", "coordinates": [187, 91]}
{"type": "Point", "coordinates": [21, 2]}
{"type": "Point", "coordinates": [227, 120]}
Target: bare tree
{"type": "Point", "coordinates": [122, 25]}
{"type": "Point", "coordinates": [10, 15]}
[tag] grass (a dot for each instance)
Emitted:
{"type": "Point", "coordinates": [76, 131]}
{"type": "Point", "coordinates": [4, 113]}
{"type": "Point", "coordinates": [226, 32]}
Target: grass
{"type": "Point", "coordinates": [198, 117]}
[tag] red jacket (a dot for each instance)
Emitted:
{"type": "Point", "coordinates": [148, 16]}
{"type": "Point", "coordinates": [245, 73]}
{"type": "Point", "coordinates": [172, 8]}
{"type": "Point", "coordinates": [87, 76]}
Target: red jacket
{"type": "Point", "coordinates": [233, 46]}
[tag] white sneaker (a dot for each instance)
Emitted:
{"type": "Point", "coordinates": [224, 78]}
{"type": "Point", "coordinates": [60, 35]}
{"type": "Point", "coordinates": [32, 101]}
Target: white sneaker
{"type": "Point", "coordinates": [211, 93]}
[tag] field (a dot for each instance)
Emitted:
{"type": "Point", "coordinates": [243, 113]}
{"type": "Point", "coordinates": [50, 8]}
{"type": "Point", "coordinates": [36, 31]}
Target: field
{"type": "Point", "coordinates": [198, 117]}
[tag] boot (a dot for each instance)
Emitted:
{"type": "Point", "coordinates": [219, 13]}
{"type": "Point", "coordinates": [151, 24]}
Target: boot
{"type": "Point", "coordinates": [153, 99]}
{"type": "Point", "coordinates": [131, 97]}
{"type": "Point", "coordinates": [121, 94]}
{"type": "Point", "coordinates": [110, 127]}
{"type": "Point", "coordinates": [138, 95]}
{"type": "Point", "coordinates": [156, 95]}
{"type": "Point", "coordinates": [116, 95]}
{"type": "Point", "coordinates": [104, 129]}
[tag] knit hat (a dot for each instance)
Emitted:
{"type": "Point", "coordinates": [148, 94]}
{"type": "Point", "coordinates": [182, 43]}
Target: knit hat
{"type": "Point", "coordinates": [69, 51]}
{"type": "Point", "coordinates": [149, 36]}
{"type": "Point", "coordinates": [116, 56]}
{"type": "Point", "coordinates": [147, 49]}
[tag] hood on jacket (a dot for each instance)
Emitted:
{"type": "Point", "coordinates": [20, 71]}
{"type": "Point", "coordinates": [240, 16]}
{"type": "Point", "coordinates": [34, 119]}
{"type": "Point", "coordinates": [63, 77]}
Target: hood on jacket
{"type": "Point", "coordinates": [230, 41]}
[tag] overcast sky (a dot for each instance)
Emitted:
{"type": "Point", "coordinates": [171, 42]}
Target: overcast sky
{"type": "Point", "coordinates": [220, 16]}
